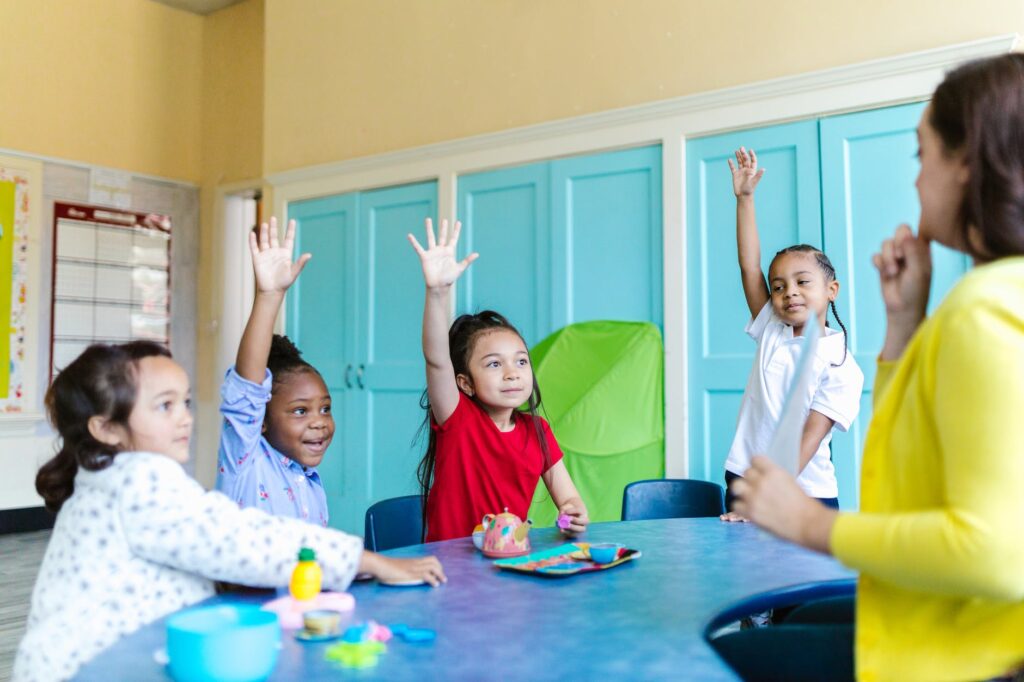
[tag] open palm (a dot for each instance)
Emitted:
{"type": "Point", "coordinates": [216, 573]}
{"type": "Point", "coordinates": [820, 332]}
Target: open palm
{"type": "Point", "coordinates": [272, 261]}
{"type": "Point", "coordinates": [440, 266]}
{"type": "Point", "coordinates": [745, 173]}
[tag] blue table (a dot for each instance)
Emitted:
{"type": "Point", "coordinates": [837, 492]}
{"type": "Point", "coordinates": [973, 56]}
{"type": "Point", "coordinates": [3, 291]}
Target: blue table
{"type": "Point", "coordinates": [642, 620]}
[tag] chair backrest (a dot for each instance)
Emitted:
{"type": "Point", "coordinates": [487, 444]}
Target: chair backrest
{"type": "Point", "coordinates": [670, 498]}
{"type": "Point", "coordinates": [395, 522]}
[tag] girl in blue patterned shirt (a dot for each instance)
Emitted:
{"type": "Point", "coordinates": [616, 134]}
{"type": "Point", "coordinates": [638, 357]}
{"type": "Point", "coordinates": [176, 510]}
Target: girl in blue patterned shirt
{"type": "Point", "coordinates": [276, 406]}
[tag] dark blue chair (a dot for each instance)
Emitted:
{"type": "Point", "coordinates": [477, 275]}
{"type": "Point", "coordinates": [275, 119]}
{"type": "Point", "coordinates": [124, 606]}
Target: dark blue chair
{"type": "Point", "coordinates": [672, 498]}
{"type": "Point", "coordinates": [395, 522]}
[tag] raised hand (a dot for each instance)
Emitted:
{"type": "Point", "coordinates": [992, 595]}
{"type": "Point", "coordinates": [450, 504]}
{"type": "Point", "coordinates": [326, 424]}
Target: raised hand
{"type": "Point", "coordinates": [440, 267]}
{"type": "Point", "coordinates": [745, 173]}
{"type": "Point", "coordinates": [272, 261]}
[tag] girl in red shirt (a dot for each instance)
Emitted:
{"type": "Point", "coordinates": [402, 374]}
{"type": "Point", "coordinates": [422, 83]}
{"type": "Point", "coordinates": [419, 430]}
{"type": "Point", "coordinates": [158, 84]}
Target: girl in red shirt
{"type": "Point", "coordinates": [484, 454]}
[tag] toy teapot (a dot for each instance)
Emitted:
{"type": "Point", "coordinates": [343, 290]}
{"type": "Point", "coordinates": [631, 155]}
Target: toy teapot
{"type": "Point", "coordinates": [505, 535]}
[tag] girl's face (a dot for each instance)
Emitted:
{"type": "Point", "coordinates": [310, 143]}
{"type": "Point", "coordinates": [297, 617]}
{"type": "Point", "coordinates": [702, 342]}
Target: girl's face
{"type": "Point", "coordinates": [298, 421]}
{"type": "Point", "coordinates": [500, 374]}
{"type": "Point", "coordinates": [161, 420]}
{"type": "Point", "coordinates": [941, 183]}
{"type": "Point", "coordinates": [799, 289]}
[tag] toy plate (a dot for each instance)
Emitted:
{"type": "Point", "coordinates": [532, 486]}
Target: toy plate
{"type": "Point", "coordinates": [565, 560]}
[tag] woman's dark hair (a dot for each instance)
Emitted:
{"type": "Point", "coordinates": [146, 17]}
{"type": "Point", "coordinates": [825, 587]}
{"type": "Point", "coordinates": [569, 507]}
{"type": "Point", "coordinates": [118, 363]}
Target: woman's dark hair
{"type": "Point", "coordinates": [99, 382]}
{"type": "Point", "coordinates": [830, 275]}
{"type": "Point", "coordinates": [462, 338]}
{"type": "Point", "coordinates": [978, 109]}
{"type": "Point", "coordinates": [285, 358]}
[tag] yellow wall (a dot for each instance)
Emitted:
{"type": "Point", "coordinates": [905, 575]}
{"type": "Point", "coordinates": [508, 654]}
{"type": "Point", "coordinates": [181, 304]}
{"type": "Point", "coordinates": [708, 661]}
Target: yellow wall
{"type": "Point", "coordinates": [347, 78]}
{"type": "Point", "coordinates": [107, 82]}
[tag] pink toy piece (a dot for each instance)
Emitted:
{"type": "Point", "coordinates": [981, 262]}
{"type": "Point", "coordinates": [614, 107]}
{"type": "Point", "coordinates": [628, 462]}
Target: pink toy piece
{"type": "Point", "coordinates": [289, 611]}
{"type": "Point", "coordinates": [564, 521]}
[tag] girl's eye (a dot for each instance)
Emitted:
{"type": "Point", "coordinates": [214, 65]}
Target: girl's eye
{"type": "Point", "coordinates": [803, 282]}
{"type": "Point", "coordinates": [300, 411]}
{"type": "Point", "coordinates": [165, 406]}
{"type": "Point", "coordinates": [492, 363]}
{"type": "Point", "coordinates": [188, 403]}
{"type": "Point", "coordinates": [326, 409]}
{"type": "Point", "coordinates": [523, 362]}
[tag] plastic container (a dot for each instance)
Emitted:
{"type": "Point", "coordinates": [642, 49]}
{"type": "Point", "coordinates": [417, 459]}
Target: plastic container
{"type": "Point", "coordinates": [605, 552]}
{"type": "Point", "coordinates": [307, 576]}
{"type": "Point", "coordinates": [222, 643]}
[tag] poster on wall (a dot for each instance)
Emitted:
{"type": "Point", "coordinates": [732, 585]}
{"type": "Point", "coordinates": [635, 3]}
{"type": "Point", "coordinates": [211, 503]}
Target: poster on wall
{"type": "Point", "coordinates": [20, 197]}
{"type": "Point", "coordinates": [111, 279]}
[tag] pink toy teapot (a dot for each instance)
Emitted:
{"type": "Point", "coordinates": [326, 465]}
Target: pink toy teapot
{"type": "Point", "coordinates": [505, 535]}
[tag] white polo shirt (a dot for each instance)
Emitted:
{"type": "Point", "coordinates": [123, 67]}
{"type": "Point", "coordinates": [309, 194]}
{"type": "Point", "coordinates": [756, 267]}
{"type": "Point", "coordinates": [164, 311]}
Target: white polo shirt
{"type": "Point", "coordinates": [836, 394]}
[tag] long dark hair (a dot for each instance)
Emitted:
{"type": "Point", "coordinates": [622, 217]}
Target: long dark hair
{"type": "Point", "coordinates": [830, 275]}
{"type": "Point", "coordinates": [462, 338]}
{"type": "Point", "coordinates": [979, 109]}
{"type": "Point", "coordinates": [99, 382]}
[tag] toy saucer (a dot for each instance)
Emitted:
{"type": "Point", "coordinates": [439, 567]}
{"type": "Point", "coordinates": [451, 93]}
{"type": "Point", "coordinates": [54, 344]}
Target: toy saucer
{"type": "Point", "coordinates": [307, 636]}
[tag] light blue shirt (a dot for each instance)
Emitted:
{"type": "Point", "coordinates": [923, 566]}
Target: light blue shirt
{"type": "Point", "coordinates": [250, 470]}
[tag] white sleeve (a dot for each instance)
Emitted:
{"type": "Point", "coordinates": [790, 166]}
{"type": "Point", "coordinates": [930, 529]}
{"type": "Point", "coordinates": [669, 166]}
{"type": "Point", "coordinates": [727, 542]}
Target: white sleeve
{"type": "Point", "coordinates": [755, 327]}
{"type": "Point", "coordinates": [168, 518]}
{"type": "Point", "coordinates": [839, 392]}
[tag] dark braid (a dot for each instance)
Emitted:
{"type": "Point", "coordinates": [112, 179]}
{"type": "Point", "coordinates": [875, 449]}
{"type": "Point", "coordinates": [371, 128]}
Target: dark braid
{"type": "Point", "coordinates": [830, 275]}
{"type": "Point", "coordinates": [284, 358]}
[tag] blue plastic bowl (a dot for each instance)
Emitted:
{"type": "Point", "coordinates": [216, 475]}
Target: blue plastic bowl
{"type": "Point", "coordinates": [605, 552]}
{"type": "Point", "coordinates": [223, 643]}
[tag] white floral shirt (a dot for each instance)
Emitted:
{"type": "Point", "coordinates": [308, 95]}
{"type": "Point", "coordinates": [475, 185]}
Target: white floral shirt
{"type": "Point", "coordinates": [141, 539]}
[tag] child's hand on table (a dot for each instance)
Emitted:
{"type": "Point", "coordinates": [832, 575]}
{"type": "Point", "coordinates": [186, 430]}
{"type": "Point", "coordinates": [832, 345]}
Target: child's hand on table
{"type": "Point", "coordinates": [576, 517]}
{"type": "Point", "coordinates": [390, 570]}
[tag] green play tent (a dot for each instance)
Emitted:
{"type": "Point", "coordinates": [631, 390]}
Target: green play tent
{"type": "Point", "coordinates": [603, 393]}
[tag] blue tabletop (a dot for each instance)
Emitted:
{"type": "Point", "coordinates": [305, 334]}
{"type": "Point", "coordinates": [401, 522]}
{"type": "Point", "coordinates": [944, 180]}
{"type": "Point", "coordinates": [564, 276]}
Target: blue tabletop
{"type": "Point", "coordinates": [644, 619]}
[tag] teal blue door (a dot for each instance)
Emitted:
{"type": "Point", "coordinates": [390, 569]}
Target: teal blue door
{"type": "Point", "coordinates": [842, 183]}
{"type": "Point", "coordinates": [356, 313]}
{"type": "Point", "coordinates": [321, 321]}
{"type": "Point", "coordinates": [788, 212]}
{"type": "Point", "coordinates": [565, 241]}
{"type": "Point", "coordinates": [869, 164]}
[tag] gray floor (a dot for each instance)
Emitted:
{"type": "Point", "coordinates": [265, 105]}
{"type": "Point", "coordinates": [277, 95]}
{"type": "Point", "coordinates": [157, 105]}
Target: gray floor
{"type": "Point", "coordinates": [20, 556]}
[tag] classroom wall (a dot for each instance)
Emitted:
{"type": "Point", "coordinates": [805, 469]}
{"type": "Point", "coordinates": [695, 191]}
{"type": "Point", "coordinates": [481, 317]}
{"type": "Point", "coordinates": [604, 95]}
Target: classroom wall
{"type": "Point", "coordinates": [351, 78]}
{"type": "Point", "coordinates": [107, 82]}
{"type": "Point", "coordinates": [232, 144]}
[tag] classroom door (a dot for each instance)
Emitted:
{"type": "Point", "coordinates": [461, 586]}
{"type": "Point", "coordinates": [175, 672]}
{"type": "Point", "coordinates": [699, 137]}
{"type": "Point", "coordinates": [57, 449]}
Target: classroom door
{"type": "Point", "coordinates": [356, 313]}
{"type": "Point", "coordinates": [788, 212]}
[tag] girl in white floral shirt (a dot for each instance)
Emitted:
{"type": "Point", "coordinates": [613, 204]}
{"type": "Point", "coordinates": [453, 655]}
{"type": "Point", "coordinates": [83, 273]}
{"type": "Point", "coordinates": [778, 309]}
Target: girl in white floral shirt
{"type": "Point", "coordinates": [136, 538]}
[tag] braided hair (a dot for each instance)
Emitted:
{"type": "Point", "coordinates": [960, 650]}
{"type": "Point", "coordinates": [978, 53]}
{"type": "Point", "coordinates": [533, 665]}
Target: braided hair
{"type": "Point", "coordinates": [285, 358]}
{"type": "Point", "coordinates": [830, 276]}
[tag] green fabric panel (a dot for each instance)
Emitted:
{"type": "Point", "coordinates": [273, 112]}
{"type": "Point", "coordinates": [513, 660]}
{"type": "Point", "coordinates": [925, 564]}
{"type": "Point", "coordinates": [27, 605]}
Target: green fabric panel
{"type": "Point", "coordinates": [603, 393]}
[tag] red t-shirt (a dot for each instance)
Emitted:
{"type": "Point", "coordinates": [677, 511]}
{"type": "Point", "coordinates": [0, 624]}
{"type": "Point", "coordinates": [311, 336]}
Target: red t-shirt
{"type": "Point", "coordinates": [480, 470]}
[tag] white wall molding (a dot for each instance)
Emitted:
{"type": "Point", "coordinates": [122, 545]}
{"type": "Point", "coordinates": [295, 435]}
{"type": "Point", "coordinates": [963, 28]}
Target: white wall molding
{"type": "Point", "coordinates": [865, 85]}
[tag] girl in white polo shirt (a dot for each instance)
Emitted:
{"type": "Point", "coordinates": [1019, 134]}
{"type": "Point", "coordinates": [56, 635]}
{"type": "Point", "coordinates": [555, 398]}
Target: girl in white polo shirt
{"type": "Point", "coordinates": [801, 284]}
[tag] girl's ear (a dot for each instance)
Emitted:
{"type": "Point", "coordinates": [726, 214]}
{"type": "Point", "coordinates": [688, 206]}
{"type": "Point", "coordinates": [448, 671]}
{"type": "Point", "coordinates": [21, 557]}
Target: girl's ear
{"type": "Point", "coordinates": [107, 432]}
{"type": "Point", "coordinates": [833, 290]}
{"type": "Point", "coordinates": [465, 384]}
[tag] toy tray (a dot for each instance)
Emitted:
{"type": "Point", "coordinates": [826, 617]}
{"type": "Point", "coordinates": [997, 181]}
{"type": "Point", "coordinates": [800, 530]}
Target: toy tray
{"type": "Point", "coordinates": [566, 560]}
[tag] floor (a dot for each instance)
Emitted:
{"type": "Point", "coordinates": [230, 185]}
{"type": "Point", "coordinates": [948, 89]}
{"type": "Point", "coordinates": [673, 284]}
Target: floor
{"type": "Point", "coordinates": [20, 556]}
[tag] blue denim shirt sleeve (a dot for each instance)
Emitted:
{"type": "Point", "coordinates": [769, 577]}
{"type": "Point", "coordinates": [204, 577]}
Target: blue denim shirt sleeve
{"type": "Point", "coordinates": [243, 405]}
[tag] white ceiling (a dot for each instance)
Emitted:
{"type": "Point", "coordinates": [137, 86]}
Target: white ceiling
{"type": "Point", "coordinates": [199, 6]}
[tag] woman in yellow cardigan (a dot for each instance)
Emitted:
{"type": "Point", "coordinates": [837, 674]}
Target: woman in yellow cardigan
{"type": "Point", "coordinates": [939, 539]}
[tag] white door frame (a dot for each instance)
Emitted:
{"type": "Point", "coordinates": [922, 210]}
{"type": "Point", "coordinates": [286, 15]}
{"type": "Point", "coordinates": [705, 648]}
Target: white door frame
{"type": "Point", "coordinates": [866, 85]}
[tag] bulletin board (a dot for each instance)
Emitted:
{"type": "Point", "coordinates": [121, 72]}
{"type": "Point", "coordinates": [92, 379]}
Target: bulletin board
{"type": "Point", "coordinates": [20, 205]}
{"type": "Point", "coordinates": [111, 279]}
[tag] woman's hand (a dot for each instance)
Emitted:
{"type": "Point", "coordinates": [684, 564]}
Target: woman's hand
{"type": "Point", "coordinates": [905, 271]}
{"type": "Point", "coordinates": [389, 570]}
{"type": "Point", "coordinates": [745, 173]}
{"type": "Point", "coordinates": [771, 498]}
{"type": "Point", "coordinates": [440, 268]}
{"type": "Point", "coordinates": [272, 262]}
{"type": "Point", "coordinates": [577, 515]}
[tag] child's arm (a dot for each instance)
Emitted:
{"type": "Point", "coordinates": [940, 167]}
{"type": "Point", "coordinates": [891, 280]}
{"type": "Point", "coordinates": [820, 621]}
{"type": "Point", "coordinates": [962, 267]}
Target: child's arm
{"type": "Point", "coordinates": [815, 429]}
{"type": "Point", "coordinates": [440, 271]}
{"type": "Point", "coordinates": [566, 497]}
{"type": "Point", "coordinates": [275, 272]}
{"type": "Point", "coordinates": [745, 177]}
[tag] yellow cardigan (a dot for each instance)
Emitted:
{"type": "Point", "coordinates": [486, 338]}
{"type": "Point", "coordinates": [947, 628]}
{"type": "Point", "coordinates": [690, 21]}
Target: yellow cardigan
{"type": "Point", "coordinates": [939, 540]}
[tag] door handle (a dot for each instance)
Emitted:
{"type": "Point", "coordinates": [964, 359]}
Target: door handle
{"type": "Point", "coordinates": [359, 376]}
{"type": "Point", "coordinates": [348, 376]}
